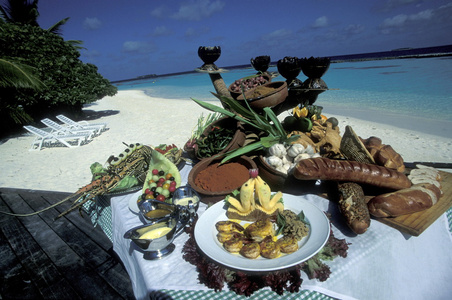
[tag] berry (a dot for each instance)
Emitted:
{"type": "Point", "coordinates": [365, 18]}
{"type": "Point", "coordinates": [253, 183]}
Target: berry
{"type": "Point", "coordinates": [155, 172]}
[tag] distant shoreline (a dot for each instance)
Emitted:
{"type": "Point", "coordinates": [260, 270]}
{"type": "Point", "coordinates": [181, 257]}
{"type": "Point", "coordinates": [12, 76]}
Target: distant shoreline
{"type": "Point", "coordinates": [401, 53]}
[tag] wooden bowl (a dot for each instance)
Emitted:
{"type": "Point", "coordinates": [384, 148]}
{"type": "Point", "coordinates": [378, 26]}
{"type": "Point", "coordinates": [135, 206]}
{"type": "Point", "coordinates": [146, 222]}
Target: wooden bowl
{"type": "Point", "coordinates": [238, 140]}
{"type": "Point", "coordinates": [274, 178]}
{"type": "Point", "coordinates": [233, 91]}
{"type": "Point", "coordinates": [266, 95]}
{"type": "Point", "coordinates": [215, 196]}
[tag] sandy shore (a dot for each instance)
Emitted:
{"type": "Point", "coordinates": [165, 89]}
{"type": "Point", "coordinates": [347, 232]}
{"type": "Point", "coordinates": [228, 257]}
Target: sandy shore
{"type": "Point", "coordinates": [135, 117]}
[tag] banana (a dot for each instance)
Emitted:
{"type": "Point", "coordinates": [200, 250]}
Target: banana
{"type": "Point", "coordinates": [236, 203]}
{"type": "Point", "coordinates": [247, 194]}
{"type": "Point", "coordinates": [275, 199]}
{"type": "Point", "coordinates": [263, 192]}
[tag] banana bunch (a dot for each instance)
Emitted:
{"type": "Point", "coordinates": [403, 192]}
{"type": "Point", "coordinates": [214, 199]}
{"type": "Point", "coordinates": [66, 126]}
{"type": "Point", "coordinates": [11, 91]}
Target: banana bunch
{"type": "Point", "coordinates": [255, 201]}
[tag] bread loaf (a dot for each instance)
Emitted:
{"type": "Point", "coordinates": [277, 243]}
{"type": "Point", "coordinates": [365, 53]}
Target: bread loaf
{"type": "Point", "coordinates": [406, 201]}
{"type": "Point", "coordinates": [353, 207]}
{"type": "Point", "coordinates": [383, 155]}
{"type": "Point", "coordinates": [350, 171]}
{"type": "Point", "coordinates": [423, 194]}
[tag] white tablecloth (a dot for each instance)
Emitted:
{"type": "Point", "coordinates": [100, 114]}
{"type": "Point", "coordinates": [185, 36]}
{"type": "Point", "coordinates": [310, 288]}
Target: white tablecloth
{"type": "Point", "coordinates": [381, 263]}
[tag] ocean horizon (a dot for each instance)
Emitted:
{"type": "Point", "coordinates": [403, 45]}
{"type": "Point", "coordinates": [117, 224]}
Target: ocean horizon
{"type": "Point", "coordinates": [412, 93]}
{"type": "Point", "coordinates": [400, 53]}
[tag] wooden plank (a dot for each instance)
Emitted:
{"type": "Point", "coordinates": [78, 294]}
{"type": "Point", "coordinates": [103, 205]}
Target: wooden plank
{"type": "Point", "coordinates": [416, 223]}
{"type": "Point", "coordinates": [90, 244]}
{"type": "Point", "coordinates": [73, 229]}
{"type": "Point", "coordinates": [68, 263]}
{"type": "Point", "coordinates": [34, 260]}
{"type": "Point", "coordinates": [13, 275]}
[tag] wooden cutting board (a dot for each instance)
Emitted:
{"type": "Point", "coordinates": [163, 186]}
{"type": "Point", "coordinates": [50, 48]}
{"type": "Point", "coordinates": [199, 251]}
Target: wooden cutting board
{"type": "Point", "coordinates": [416, 223]}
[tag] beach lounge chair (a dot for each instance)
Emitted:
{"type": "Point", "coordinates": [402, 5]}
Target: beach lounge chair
{"type": "Point", "coordinates": [59, 129]}
{"type": "Point", "coordinates": [99, 127]}
{"type": "Point", "coordinates": [42, 136]}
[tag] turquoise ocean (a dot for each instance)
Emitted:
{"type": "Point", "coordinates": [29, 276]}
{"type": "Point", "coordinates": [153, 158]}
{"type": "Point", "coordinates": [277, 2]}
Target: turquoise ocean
{"type": "Point", "coordinates": [415, 90]}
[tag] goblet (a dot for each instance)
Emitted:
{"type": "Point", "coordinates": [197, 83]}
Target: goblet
{"type": "Point", "coordinates": [314, 69]}
{"type": "Point", "coordinates": [261, 63]}
{"type": "Point", "coordinates": [209, 55]}
{"type": "Point", "coordinates": [289, 68]}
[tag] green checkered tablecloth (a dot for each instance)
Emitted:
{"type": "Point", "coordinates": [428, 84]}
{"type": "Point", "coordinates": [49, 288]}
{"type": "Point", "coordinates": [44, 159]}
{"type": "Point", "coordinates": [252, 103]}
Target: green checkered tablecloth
{"type": "Point", "coordinates": [261, 295]}
{"type": "Point", "coordinates": [100, 213]}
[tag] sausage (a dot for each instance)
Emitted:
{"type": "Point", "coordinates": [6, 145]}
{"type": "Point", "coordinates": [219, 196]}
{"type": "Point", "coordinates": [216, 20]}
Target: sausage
{"type": "Point", "coordinates": [350, 171]}
{"type": "Point", "coordinates": [406, 201]}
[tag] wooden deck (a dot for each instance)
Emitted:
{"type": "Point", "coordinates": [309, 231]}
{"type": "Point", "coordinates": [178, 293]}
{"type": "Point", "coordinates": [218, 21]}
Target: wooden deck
{"type": "Point", "coordinates": [44, 258]}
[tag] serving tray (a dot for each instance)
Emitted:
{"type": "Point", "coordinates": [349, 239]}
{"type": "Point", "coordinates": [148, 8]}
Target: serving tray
{"type": "Point", "coordinates": [416, 223]}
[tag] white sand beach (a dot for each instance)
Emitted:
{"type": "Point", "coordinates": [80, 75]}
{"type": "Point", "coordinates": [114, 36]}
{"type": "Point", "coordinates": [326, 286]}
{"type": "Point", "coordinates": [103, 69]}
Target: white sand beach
{"type": "Point", "coordinates": [133, 117]}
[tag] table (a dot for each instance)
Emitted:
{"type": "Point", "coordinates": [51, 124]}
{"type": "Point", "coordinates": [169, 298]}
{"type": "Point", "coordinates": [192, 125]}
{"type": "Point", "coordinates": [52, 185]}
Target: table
{"type": "Point", "coordinates": [383, 263]}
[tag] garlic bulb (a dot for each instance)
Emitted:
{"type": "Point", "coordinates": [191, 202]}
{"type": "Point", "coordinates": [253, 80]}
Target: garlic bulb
{"type": "Point", "coordinates": [277, 150]}
{"type": "Point", "coordinates": [295, 149]}
{"type": "Point", "coordinates": [309, 150]}
{"type": "Point", "coordinates": [281, 169]}
{"type": "Point", "coordinates": [286, 159]}
{"type": "Point", "coordinates": [274, 161]}
{"type": "Point", "coordinates": [301, 156]}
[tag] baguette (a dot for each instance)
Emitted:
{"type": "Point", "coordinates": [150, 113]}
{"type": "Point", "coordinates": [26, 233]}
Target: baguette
{"type": "Point", "coordinates": [350, 171]}
{"type": "Point", "coordinates": [353, 207]}
{"type": "Point", "coordinates": [406, 201]}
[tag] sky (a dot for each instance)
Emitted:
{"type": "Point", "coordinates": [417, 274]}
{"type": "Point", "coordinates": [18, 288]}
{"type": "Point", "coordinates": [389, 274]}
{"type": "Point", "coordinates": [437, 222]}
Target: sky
{"type": "Point", "coordinates": [130, 38]}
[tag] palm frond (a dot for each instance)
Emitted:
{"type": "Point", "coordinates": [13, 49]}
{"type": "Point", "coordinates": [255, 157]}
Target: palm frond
{"type": "Point", "coordinates": [56, 28]}
{"type": "Point", "coordinates": [16, 75]}
{"type": "Point", "coordinates": [76, 44]}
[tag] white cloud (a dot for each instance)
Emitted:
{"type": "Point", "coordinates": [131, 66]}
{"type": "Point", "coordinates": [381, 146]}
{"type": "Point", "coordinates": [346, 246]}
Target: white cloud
{"type": "Point", "coordinates": [354, 29]}
{"type": "Point", "coordinates": [158, 12]}
{"type": "Point", "coordinates": [92, 23]}
{"type": "Point", "coordinates": [193, 32]}
{"type": "Point", "coordinates": [391, 4]}
{"type": "Point", "coordinates": [277, 34]}
{"type": "Point", "coordinates": [196, 10]}
{"type": "Point", "coordinates": [423, 19]}
{"type": "Point", "coordinates": [161, 31]}
{"type": "Point", "coordinates": [90, 54]}
{"type": "Point", "coordinates": [137, 47]}
{"type": "Point", "coordinates": [320, 22]}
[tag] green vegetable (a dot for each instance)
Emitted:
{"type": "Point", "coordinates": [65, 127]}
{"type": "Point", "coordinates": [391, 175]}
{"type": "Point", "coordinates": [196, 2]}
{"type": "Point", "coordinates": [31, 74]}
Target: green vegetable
{"type": "Point", "coordinates": [97, 170]}
{"type": "Point", "coordinates": [126, 183]}
{"type": "Point", "coordinates": [267, 122]}
{"type": "Point", "coordinates": [215, 141]}
{"type": "Point", "coordinates": [304, 125]}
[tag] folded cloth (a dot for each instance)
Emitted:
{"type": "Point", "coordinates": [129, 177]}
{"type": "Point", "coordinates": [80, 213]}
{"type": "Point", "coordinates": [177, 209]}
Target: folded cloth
{"type": "Point", "coordinates": [381, 263]}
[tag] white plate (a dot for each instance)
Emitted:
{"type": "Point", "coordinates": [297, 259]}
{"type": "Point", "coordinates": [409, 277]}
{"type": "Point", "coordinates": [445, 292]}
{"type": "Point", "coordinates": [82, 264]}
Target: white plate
{"type": "Point", "coordinates": [319, 232]}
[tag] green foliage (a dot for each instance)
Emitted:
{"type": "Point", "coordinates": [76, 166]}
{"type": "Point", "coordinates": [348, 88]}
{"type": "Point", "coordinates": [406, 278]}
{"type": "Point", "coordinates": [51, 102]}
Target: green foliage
{"type": "Point", "coordinates": [14, 75]}
{"type": "Point", "coordinates": [69, 83]}
{"type": "Point", "coordinates": [267, 123]}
